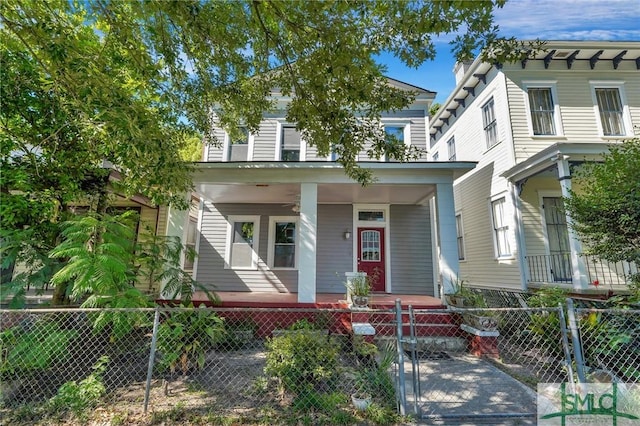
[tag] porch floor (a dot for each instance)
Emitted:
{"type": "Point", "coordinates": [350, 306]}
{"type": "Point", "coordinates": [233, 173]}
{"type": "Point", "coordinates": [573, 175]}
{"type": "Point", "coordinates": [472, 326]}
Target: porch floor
{"type": "Point", "coordinates": [323, 300]}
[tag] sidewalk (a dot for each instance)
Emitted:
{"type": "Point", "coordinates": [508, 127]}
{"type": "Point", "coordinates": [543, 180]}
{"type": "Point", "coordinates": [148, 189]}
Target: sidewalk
{"type": "Point", "coordinates": [465, 390]}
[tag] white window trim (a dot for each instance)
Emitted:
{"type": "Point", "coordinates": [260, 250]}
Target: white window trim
{"type": "Point", "coordinates": [464, 243]}
{"type": "Point", "coordinates": [227, 142]}
{"type": "Point", "coordinates": [557, 118]}
{"type": "Point", "coordinates": [490, 97]}
{"type": "Point", "coordinates": [303, 142]}
{"type": "Point", "coordinates": [397, 123]}
{"type": "Point", "coordinates": [455, 154]}
{"type": "Point", "coordinates": [626, 113]}
{"type": "Point", "coordinates": [231, 220]}
{"type": "Point", "coordinates": [507, 214]}
{"type": "Point", "coordinates": [543, 219]}
{"type": "Point", "coordinates": [387, 237]}
{"type": "Point", "coordinates": [272, 239]}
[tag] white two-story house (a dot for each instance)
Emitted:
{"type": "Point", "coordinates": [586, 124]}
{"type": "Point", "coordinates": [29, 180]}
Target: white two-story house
{"type": "Point", "coordinates": [275, 217]}
{"type": "Point", "coordinates": [528, 125]}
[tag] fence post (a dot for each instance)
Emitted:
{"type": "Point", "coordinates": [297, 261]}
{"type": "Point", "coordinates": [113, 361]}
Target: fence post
{"type": "Point", "coordinates": [575, 338]}
{"type": "Point", "coordinates": [401, 379]}
{"type": "Point", "coordinates": [565, 343]}
{"type": "Point", "coordinates": [152, 358]}
{"type": "Point", "coordinates": [415, 366]}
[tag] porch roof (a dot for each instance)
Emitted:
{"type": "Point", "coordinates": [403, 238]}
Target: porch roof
{"type": "Point", "coordinates": [548, 157]}
{"type": "Point", "coordinates": [279, 182]}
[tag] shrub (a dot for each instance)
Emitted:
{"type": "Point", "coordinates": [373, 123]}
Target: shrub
{"type": "Point", "coordinates": [78, 397]}
{"type": "Point", "coordinates": [302, 361]}
{"type": "Point", "coordinates": [185, 337]}
{"type": "Point", "coordinates": [546, 325]}
{"type": "Point", "coordinates": [36, 349]}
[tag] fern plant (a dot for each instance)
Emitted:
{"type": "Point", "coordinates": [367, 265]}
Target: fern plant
{"type": "Point", "coordinates": [101, 256]}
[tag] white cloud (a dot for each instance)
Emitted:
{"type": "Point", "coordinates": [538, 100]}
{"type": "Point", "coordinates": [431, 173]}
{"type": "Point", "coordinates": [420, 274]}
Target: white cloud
{"type": "Point", "coordinates": [570, 19]}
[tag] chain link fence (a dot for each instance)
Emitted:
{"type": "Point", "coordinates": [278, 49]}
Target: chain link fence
{"type": "Point", "coordinates": [252, 363]}
{"type": "Point", "coordinates": [231, 362]}
{"type": "Point", "coordinates": [610, 343]}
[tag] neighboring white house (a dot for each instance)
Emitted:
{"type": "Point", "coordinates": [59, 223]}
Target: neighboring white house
{"type": "Point", "coordinates": [528, 124]}
{"type": "Point", "coordinates": [275, 217]}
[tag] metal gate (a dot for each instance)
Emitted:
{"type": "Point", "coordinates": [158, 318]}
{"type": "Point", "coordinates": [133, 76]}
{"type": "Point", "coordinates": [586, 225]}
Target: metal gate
{"type": "Point", "coordinates": [451, 372]}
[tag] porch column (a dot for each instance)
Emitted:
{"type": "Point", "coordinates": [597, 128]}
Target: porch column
{"type": "Point", "coordinates": [446, 218]}
{"type": "Point", "coordinates": [579, 268]}
{"type": "Point", "coordinates": [308, 241]}
{"type": "Point", "coordinates": [177, 226]}
{"type": "Point", "coordinates": [515, 190]}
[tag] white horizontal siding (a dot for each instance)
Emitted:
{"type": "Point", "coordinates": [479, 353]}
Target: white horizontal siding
{"type": "Point", "coordinates": [480, 267]}
{"type": "Point", "coordinates": [574, 97]}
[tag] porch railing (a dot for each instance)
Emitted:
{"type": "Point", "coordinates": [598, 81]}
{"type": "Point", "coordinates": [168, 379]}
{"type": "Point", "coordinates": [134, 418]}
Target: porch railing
{"type": "Point", "coordinates": [556, 268]}
{"type": "Point", "coordinates": [550, 268]}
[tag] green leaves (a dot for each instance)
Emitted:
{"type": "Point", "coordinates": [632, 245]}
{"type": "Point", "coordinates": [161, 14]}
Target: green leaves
{"type": "Point", "coordinates": [99, 250]}
{"type": "Point", "coordinates": [605, 204]}
{"type": "Point", "coordinates": [128, 78]}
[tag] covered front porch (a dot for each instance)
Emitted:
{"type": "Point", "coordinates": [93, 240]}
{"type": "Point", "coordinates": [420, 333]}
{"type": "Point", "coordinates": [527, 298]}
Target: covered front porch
{"type": "Point", "coordinates": [551, 253]}
{"type": "Point", "coordinates": [281, 229]}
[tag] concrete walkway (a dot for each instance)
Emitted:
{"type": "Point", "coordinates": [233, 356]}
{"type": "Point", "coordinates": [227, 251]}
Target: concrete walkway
{"type": "Point", "coordinates": [464, 390]}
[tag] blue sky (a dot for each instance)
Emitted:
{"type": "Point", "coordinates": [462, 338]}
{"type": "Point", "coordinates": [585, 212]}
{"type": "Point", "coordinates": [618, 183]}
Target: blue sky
{"type": "Point", "coordinates": [531, 19]}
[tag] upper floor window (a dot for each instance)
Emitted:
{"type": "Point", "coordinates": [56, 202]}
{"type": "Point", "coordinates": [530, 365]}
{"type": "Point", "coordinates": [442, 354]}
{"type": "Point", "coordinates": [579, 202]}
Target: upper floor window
{"type": "Point", "coordinates": [290, 145]}
{"type": "Point", "coordinates": [239, 146]}
{"type": "Point", "coordinates": [542, 110]}
{"type": "Point", "coordinates": [436, 156]}
{"type": "Point", "coordinates": [283, 238]}
{"type": "Point", "coordinates": [242, 242]}
{"type": "Point", "coordinates": [451, 148]}
{"type": "Point", "coordinates": [395, 134]}
{"type": "Point", "coordinates": [489, 124]}
{"type": "Point", "coordinates": [500, 228]}
{"type": "Point", "coordinates": [611, 111]}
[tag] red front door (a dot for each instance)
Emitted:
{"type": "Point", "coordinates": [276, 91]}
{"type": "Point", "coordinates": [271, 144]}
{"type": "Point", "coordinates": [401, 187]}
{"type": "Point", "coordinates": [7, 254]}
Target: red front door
{"type": "Point", "coordinates": [371, 255]}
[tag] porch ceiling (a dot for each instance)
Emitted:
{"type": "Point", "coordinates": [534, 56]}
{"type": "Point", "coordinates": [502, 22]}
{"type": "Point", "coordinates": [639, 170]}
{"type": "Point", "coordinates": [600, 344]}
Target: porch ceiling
{"type": "Point", "coordinates": [279, 182]}
{"type": "Point", "coordinates": [286, 193]}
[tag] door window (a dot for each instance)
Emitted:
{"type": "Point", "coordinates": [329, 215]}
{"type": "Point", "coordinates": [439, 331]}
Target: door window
{"type": "Point", "coordinates": [370, 246]}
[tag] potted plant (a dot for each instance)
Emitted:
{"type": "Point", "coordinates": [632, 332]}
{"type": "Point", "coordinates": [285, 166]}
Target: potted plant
{"type": "Point", "coordinates": [481, 320]}
{"type": "Point", "coordinates": [457, 298]}
{"type": "Point", "coordinates": [373, 378]}
{"type": "Point", "coordinates": [359, 290]}
{"type": "Point", "coordinates": [361, 398]}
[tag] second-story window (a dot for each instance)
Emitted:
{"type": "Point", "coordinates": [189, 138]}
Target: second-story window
{"type": "Point", "coordinates": [436, 156]}
{"type": "Point", "coordinates": [610, 108]}
{"type": "Point", "coordinates": [290, 147]}
{"type": "Point", "coordinates": [239, 146]}
{"type": "Point", "coordinates": [394, 135]}
{"type": "Point", "coordinates": [451, 148]}
{"type": "Point", "coordinates": [489, 124]}
{"type": "Point", "coordinates": [542, 110]}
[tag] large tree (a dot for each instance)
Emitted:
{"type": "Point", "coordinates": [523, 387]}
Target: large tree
{"type": "Point", "coordinates": [127, 79]}
{"type": "Point", "coordinates": [605, 207]}
{"type": "Point", "coordinates": [92, 85]}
